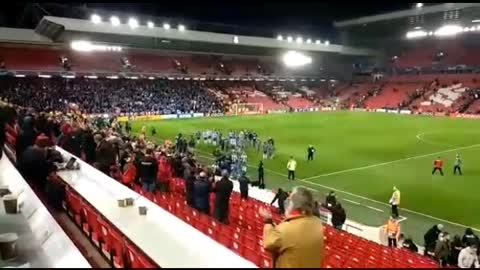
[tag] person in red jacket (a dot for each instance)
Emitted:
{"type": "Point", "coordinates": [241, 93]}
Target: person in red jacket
{"type": "Point", "coordinates": [438, 166]}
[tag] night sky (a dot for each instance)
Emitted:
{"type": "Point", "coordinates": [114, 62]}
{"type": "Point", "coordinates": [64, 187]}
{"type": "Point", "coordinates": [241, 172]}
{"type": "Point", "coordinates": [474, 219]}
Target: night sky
{"type": "Point", "coordinates": [309, 18]}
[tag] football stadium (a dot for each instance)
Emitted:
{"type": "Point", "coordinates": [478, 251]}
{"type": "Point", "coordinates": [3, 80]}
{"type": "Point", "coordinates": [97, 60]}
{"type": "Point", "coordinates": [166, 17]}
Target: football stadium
{"type": "Point", "coordinates": [141, 141]}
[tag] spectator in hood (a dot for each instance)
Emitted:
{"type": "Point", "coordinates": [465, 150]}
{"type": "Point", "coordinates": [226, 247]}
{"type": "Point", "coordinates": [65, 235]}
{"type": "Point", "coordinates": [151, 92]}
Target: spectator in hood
{"type": "Point", "coordinates": [338, 216]}
{"type": "Point", "coordinates": [281, 196]}
{"type": "Point", "coordinates": [431, 237]}
{"type": "Point", "coordinates": [469, 238]}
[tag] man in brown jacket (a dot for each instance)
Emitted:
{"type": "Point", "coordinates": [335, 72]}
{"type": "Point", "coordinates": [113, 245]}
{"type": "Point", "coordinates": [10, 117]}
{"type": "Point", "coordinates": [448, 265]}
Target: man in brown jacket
{"type": "Point", "coordinates": [297, 242]}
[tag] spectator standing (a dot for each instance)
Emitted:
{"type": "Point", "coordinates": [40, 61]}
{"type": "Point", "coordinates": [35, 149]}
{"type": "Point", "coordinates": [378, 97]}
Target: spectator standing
{"type": "Point", "coordinates": [469, 238]}
{"type": "Point", "coordinates": [201, 193]}
{"type": "Point", "coordinates": [223, 189]}
{"type": "Point", "coordinates": [26, 137]}
{"type": "Point", "coordinates": [288, 241]}
{"type": "Point", "coordinates": [442, 249]}
{"type": "Point", "coordinates": [261, 180]}
{"type": "Point", "coordinates": [189, 190]}
{"type": "Point", "coordinates": [88, 146]}
{"type": "Point", "coordinates": [431, 237]}
{"type": "Point", "coordinates": [105, 154]}
{"type": "Point", "coordinates": [291, 167]}
{"type": "Point", "coordinates": [243, 181]}
{"type": "Point", "coordinates": [338, 216]}
{"type": "Point", "coordinates": [149, 171]}
{"type": "Point", "coordinates": [281, 196]}
{"type": "Point", "coordinates": [468, 258]}
{"type": "Point", "coordinates": [455, 247]}
{"type": "Point", "coordinates": [392, 229]}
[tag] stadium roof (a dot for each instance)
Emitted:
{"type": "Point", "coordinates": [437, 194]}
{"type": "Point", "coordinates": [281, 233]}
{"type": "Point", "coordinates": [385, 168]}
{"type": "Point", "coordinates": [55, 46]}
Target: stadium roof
{"type": "Point", "coordinates": [60, 29]}
{"type": "Point", "coordinates": [406, 13]}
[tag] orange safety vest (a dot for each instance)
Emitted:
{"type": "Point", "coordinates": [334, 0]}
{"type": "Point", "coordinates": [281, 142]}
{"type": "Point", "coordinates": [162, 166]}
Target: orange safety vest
{"type": "Point", "coordinates": [393, 227]}
{"type": "Point", "coordinates": [438, 163]}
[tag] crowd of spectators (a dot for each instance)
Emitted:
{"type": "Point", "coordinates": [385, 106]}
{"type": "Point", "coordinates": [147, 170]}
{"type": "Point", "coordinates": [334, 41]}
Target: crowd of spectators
{"type": "Point", "coordinates": [112, 96]}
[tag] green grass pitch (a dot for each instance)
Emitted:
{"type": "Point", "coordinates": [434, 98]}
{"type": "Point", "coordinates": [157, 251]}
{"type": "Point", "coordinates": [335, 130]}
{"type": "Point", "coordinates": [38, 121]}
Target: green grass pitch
{"type": "Point", "coordinates": [362, 156]}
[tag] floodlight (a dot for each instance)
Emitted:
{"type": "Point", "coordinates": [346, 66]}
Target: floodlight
{"type": "Point", "coordinates": [327, 42]}
{"type": "Point", "coordinates": [416, 34]}
{"type": "Point", "coordinates": [317, 42]}
{"type": "Point", "coordinates": [448, 30]}
{"type": "Point", "coordinates": [299, 40]}
{"type": "Point", "coordinates": [279, 37]}
{"type": "Point", "coordinates": [96, 19]}
{"type": "Point", "coordinates": [133, 22]}
{"type": "Point", "coordinates": [235, 39]}
{"type": "Point", "coordinates": [289, 39]}
{"type": "Point", "coordinates": [309, 41]}
{"type": "Point", "coordinates": [419, 5]}
{"type": "Point", "coordinates": [115, 21]}
{"type": "Point", "coordinates": [166, 26]}
{"type": "Point", "coordinates": [181, 27]}
{"type": "Point", "coordinates": [150, 24]}
{"type": "Point", "coordinates": [296, 59]}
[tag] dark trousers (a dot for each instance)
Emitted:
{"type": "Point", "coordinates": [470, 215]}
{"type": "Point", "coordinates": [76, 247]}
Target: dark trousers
{"type": "Point", "coordinates": [310, 156]}
{"type": "Point", "coordinates": [261, 180]}
{"type": "Point", "coordinates": [291, 175]}
{"type": "Point", "coordinates": [437, 169]}
{"type": "Point", "coordinates": [244, 194]}
{"type": "Point", "coordinates": [457, 168]}
{"type": "Point", "coordinates": [394, 210]}
{"type": "Point", "coordinates": [221, 214]}
{"type": "Point", "coordinates": [392, 242]}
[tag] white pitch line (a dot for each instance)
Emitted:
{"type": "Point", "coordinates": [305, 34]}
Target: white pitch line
{"type": "Point", "coordinates": [373, 208]}
{"type": "Point", "coordinates": [420, 138]}
{"type": "Point", "coordinates": [390, 162]}
{"type": "Point", "coordinates": [350, 201]}
{"type": "Point", "coordinates": [401, 218]}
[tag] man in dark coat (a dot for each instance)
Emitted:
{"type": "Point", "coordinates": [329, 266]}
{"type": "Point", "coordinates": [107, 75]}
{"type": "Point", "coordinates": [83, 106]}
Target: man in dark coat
{"type": "Point", "coordinates": [243, 181]}
{"type": "Point", "coordinates": [148, 171]}
{"type": "Point", "coordinates": [34, 165]}
{"type": "Point", "coordinates": [26, 138]}
{"type": "Point", "coordinates": [281, 196]}
{"type": "Point", "coordinates": [338, 216]}
{"type": "Point", "coordinates": [261, 180]}
{"type": "Point", "coordinates": [431, 237]}
{"type": "Point", "coordinates": [105, 154]}
{"type": "Point", "coordinates": [189, 188]}
{"type": "Point", "coordinates": [223, 189]}
{"type": "Point", "coordinates": [201, 193]}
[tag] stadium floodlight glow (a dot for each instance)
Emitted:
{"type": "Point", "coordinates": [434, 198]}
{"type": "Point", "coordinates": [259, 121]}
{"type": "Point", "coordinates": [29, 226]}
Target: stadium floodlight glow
{"type": "Point", "coordinates": [476, 21]}
{"type": "Point", "coordinates": [115, 21]}
{"type": "Point", "coordinates": [112, 77]}
{"type": "Point", "coordinates": [91, 77]}
{"type": "Point", "coordinates": [96, 19]}
{"type": "Point", "coordinates": [151, 78]}
{"type": "Point", "coordinates": [235, 39]}
{"type": "Point", "coordinates": [430, 33]}
{"type": "Point", "coordinates": [150, 24]}
{"type": "Point", "coordinates": [296, 59]}
{"type": "Point", "coordinates": [20, 76]}
{"type": "Point", "coordinates": [417, 27]}
{"type": "Point", "coordinates": [309, 41]}
{"type": "Point", "coordinates": [472, 28]}
{"type": "Point", "coordinates": [419, 5]}
{"type": "Point", "coordinates": [478, 27]}
{"type": "Point", "coordinates": [317, 42]}
{"type": "Point", "coordinates": [327, 42]}
{"type": "Point", "coordinates": [280, 37]}
{"type": "Point", "coordinates": [181, 27]}
{"type": "Point", "coordinates": [289, 39]}
{"type": "Point", "coordinates": [44, 76]}
{"type": "Point", "coordinates": [299, 40]}
{"type": "Point", "coordinates": [132, 78]}
{"type": "Point", "coordinates": [448, 30]}
{"type": "Point", "coordinates": [68, 76]}
{"type": "Point", "coordinates": [166, 26]}
{"type": "Point", "coordinates": [133, 23]}
{"type": "Point", "coordinates": [416, 34]}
